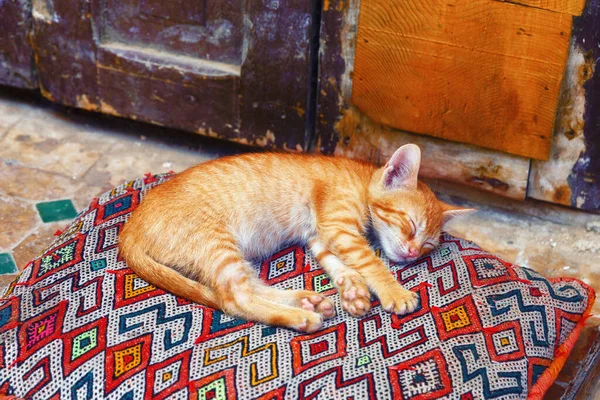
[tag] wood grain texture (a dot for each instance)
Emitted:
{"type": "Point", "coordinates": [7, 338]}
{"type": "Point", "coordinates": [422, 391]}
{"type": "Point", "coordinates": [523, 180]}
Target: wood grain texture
{"type": "Point", "coordinates": [342, 129]}
{"type": "Point", "coordinates": [474, 71]}
{"type": "Point", "coordinates": [500, 173]}
{"type": "Point", "coordinates": [571, 7]}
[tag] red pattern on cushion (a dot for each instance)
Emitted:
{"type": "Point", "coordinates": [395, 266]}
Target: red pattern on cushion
{"type": "Point", "coordinates": [79, 321]}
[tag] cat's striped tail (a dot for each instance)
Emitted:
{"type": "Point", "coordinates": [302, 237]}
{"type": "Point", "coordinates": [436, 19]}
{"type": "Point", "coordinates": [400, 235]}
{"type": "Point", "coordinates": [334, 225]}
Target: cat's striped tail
{"type": "Point", "coordinates": [163, 276]}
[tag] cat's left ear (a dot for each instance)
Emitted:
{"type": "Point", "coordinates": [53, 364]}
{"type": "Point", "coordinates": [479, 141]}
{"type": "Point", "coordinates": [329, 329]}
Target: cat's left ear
{"type": "Point", "coordinates": [450, 212]}
{"type": "Point", "coordinates": [402, 170]}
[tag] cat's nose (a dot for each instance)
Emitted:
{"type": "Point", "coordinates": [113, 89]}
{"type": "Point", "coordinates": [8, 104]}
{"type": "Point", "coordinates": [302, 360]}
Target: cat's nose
{"type": "Point", "coordinates": [412, 252]}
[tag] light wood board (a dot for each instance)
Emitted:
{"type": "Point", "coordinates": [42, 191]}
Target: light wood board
{"type": "Point", "coordinates": [482, 72]}
{"type": "Point", "coordinates": [572, 7]}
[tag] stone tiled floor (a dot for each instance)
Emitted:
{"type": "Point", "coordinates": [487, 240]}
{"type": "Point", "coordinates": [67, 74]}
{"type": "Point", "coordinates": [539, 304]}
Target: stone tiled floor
{"type": "Point", "coordinates": [49, 153]}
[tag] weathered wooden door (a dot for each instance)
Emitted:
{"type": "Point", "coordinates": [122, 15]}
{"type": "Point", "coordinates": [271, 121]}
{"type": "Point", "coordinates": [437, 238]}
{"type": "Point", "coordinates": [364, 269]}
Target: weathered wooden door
{"type": "Point", "coordinates": [372, 77]}
{"type": "Point", "coordinates": [16, 57]}
{"type": "Point", "coordinates": [236, 69]}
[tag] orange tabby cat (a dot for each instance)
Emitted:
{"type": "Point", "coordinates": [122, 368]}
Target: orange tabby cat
{"type": "Point", "coordinates": [194, 234]}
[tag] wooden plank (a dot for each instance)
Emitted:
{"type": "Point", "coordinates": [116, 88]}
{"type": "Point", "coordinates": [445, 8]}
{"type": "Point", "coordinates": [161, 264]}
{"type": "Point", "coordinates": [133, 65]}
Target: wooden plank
{"type": "Point", "coordinates": [572, 174]}
{"type": "Point", "coordinates": [489, 170]}
{"type": "Point", "coordinates": [581, 371]}
{"type": "Point", "coordinates": [238, 71]}
{"type": "Point", "coordinates": [571, 7]}
{"type": "Point", "coordinates": [138, 83]}
{"type": "Point", "coordinates": [65, 52]}
{"type": "Point", "coordinates": [276, 74]}
{"type": "Point", "coordinates": [16, 56]}
{"type": "Point", "coordinates": [473, 71]}
{"type": "Point", "coordinates": [144, 67]}
{"type": "Point", "coordinates": [343, 130]}
{"type": "Point", "coordinates": [201, 28]}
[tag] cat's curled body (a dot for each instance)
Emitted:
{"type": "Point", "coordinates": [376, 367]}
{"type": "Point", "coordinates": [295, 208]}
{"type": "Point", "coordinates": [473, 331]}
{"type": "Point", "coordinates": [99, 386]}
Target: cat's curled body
{"type": "Point", "coordinates": [195, 234]}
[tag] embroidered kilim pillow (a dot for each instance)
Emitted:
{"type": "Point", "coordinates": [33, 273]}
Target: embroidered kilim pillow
{"type": "Point", "coordinates": [79, 324]}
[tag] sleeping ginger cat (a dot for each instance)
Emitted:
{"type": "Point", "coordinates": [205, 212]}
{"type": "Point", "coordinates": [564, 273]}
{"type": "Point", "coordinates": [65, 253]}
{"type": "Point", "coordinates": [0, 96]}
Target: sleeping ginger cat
{"type": "Point", "coordinates": [194, 234]}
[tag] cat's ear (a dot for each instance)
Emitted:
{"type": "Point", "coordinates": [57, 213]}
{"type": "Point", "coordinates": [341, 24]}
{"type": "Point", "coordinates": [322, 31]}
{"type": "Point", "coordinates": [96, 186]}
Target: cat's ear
{"type": "Point", "coordinates": [402, 170]}
{"type": "Point", "coordinates": [451, 212]}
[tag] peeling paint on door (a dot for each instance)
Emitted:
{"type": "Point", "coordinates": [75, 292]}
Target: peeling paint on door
{"type": "Point", "coordinates": [572, 174]}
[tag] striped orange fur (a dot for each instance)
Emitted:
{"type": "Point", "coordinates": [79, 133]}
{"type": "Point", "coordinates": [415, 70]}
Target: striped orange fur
{"type": "Point", "coordinates": [195, 234]}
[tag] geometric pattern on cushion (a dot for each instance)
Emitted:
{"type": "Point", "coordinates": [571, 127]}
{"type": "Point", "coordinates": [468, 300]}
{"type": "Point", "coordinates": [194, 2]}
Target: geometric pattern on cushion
{"type": "Point", "coordinates": [79, 324]}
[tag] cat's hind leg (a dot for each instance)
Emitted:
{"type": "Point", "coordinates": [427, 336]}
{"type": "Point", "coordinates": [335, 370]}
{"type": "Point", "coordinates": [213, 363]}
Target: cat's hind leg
{"type": "Point", "coordinates": [353, 289]}
{"type": "Point", "coordinates": [306, 299]}
{"type": "Point", "coordinates": [240, 293]}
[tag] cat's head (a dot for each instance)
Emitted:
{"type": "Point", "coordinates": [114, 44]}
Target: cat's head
{"type": "Point", "coordinates": [406, 215]}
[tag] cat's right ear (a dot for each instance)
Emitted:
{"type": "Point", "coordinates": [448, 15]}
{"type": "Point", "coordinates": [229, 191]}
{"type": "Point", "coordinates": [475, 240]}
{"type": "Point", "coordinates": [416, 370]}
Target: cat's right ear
{"type": "Point", "coordinates": [402, 170]}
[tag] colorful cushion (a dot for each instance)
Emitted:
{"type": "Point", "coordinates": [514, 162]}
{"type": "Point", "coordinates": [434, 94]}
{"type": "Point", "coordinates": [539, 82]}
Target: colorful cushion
{"type": "Point", "coordinates": [80, 324]}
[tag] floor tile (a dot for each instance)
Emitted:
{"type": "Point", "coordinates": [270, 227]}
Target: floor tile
{"type": "Point", "coordinates": [11, 111]}
{"type": "Point", "coordinates": [28, 183]}
{"type": "Point", "coordinates": [6, 280]}
{"type": "Point", "coordinates": [17, 218]}
{"type": "Point", "coordinates": [54, 146]}
{"type": "Point", "coordinates": [35, 243]}
{"type": "Point", "coordinates": [7, 264]}
{"type": "Point", "coordinates": [131, 158]}
{"type": "Point", "coordinates": [58, 210]}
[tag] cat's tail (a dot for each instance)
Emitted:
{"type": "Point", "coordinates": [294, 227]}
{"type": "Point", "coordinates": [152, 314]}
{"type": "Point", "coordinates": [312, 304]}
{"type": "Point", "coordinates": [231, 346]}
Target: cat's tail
{"type": "Point", "coordinates": [165, 277]}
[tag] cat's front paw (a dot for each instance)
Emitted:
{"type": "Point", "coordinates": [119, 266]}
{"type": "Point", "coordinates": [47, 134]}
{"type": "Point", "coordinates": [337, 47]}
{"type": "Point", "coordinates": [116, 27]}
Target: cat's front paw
{"type": "Point", "coordinates": [399, 300]}
{"type": "Point", "coordinates": [354, 294]}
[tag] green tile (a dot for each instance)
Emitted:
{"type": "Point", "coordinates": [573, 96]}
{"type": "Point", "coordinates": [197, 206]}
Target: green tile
{"type": "Point", "coordinates": [58, 210]}
{"type": "Point", "coordinates": [7, 264]}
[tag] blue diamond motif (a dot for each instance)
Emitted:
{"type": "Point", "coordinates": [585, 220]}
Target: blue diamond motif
{"type": "Point", "coordinates": [116, 206]}
{"type": "Point", "coordinates": [97, 265]}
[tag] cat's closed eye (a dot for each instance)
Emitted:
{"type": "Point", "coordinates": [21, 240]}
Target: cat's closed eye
{"type": "Point", "coordinates": [414, 229]}
{"type": "Point", "coordinates": [428, 245]}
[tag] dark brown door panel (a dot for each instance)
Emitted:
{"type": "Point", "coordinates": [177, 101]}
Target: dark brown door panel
{"type": "Point", "coordinates": [235, 69]}
{"type": "Point", "coordinates": [16, 56]}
